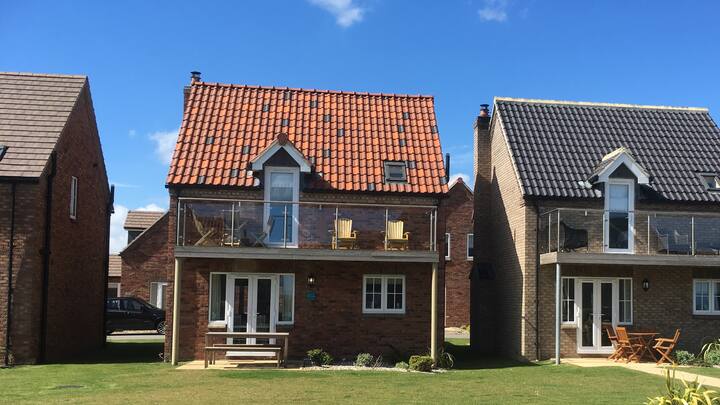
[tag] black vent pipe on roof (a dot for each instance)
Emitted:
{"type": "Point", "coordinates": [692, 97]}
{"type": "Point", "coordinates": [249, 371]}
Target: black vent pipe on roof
{"type": "Point", "coordinates": [447, 168]}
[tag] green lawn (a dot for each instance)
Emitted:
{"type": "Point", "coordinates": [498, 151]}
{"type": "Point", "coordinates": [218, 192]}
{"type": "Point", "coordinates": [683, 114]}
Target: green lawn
{"type": "Point", "coordinates": [125, 373]}
{"type": "Point", "coordinates": [706, 371]}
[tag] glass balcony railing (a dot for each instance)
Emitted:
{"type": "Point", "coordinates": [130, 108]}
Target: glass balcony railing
{"type": "Point", "coordinates": [305, 225]}
{"type": "Point", "coordinates": [638, 232]}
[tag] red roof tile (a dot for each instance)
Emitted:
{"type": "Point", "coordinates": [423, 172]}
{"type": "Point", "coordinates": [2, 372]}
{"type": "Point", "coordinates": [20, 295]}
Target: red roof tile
{"type": "Point", "coordinates": [233, 115]}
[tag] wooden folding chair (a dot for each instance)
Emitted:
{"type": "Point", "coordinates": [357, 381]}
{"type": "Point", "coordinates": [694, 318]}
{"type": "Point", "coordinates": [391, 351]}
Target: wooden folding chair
{"type": "Point", "coordinates": [343, 235]}
{"type": "Point", "coordinates": [617, 353]}
{"type": "Point", "coordinates": [630, 348]}
{"type": "Point", "coordinates": [205, 231]}
{"type": "Point", "coordinates": [665, 346]}
{"type": "Point", "coordinates": [395, 238]}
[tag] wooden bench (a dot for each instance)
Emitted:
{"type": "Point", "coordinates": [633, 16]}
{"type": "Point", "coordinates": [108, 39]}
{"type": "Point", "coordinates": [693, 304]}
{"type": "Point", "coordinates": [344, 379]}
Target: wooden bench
{"type": "Point", "coordinates": [279, 352]}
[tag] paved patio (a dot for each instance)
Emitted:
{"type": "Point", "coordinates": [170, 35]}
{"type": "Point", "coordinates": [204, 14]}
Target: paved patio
{"type": "Point", "coordinates": [649, 368]}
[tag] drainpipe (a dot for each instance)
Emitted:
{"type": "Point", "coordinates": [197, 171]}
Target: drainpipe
{"type": "Point", "coordinates": [537, 281]}
{"type": "Point", "coordinates": [433, 313]}
{"type": "Point", "coordinates": [110, 209]}
{"type": "Point", "coordinates": [46, 258]}
{"type": "Point", "coordinates": [11, 247]}
{"type": "Point", "coordinates": [175, 355]}
{"type": "Point", "coordinates": [558, 274]}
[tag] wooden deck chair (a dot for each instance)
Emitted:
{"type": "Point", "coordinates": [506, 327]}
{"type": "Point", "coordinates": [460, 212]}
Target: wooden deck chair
{"type": "Point", "coordinates": [204, 231]}
{"type": "Point", "coordinates": [617, 353]}
{"type": "Point", "coordinates": [395, 238]}
{"type": "Point", "coordinates": [260, 237]}
{"type": "Point", "coordinates": [630, 347]}
{"type": "Point", "coordinates": [343, 235]}
{"type": "Point", "coordinates": [665, 346]}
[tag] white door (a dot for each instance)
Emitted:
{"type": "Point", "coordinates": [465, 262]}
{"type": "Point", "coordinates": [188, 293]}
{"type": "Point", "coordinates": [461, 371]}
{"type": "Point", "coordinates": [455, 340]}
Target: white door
{"type": "Point", "coordinates": [597, 300]}
{"type": "Point", "coordinates": [250, 305]}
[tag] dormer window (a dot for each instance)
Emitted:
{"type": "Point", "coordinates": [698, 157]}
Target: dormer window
{"type": "Point", "coordinates": [712, 181]}
{"type": "Point", "coordinates": [395, 172]}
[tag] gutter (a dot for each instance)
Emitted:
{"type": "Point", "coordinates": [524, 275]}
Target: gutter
{"type": "Point", "coordinates": [11, 248]}
{"type": "Point", "coordinates": [46, 257]}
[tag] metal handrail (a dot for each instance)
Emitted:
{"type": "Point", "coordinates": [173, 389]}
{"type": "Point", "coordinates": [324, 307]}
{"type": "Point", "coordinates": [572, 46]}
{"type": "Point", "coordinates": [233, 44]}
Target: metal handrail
{"type": "Point", "coordinates": [231, 200]}
{"type": "Point", "coordinates": [643, 211]}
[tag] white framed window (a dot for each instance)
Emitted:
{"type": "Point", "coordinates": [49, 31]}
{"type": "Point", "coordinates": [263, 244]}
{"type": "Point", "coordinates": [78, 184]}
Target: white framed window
{"type": "Point", "coordinates": [113, 290]}
{"type": "Point", "coordinates": [217, 297]}
{"type": "Point", "coordinates": [568, 300]}
{"type": "Point", "coordinates": [157, 293]}
{"type": "Point", "coordinates": [395, 171]}
{"type": "Point", "coordinates": [448, 239]}
{"type": "Point", "coordinates": [286, 299]}
{"type": "Point", "coordinates": [706, 297]}
{"type": "Point", "coordinates": [619, 232]}
{"type": "Point", "coordinates": [282, 187]}
{"type": "Point", "coordinates": [384, 294]}
{"type": "Point", "coordinates": [73, 197]}
{"type": "Point", "coordinates": [625, 307]}
{"type": "Point", "coordinates": [470, 246]}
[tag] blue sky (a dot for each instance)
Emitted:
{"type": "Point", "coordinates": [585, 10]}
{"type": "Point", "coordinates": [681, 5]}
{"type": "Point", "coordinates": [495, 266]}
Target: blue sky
{"type": "Point", "coordinates": [138, 55]}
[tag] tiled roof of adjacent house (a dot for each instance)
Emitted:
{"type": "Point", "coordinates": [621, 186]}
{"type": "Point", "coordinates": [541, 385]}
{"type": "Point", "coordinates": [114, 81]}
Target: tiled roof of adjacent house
{"type": "Point", "coordinates": [558, 145]}
{"type": "Point", "coordinates": [345, 136]}
{"type": "Point", "coordinates": [33, 111]}
{"type": "Point", "coordinates": [115, 266]}
{"type": "Point", "coordinates": [141, 219]}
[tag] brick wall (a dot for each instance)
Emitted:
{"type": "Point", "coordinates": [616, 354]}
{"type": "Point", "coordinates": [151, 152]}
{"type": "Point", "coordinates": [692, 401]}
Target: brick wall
{"type": "Point", "coordinates": [457, 214]}
{"type": "Point", "coordinates": [667, 304]}
{"type": "Point", "coordinates": [334, 321]}
{"type": "Point", "coordinates": [146, 260]}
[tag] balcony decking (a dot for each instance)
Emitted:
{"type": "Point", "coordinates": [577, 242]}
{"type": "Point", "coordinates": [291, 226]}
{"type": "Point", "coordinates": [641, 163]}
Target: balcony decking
{"type": "Point", "coordinates": [628, 259]}
{"type": "Point", "coordinates": [345, 255]}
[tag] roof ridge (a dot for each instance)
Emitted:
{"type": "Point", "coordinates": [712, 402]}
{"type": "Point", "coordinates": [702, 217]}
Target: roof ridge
{"type": "Point", "coordinates": [600, 104]}
{"type": "Point", "coordinates": [352, 93]}
{"type": "Point", "coordinates": [53, 75]}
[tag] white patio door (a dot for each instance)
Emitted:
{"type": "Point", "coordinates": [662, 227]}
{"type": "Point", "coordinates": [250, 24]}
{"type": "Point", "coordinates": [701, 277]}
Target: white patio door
{"type": "Point", "coordinates": [250, 305]}
{"type": "Point", "coordinates": [597, 305]}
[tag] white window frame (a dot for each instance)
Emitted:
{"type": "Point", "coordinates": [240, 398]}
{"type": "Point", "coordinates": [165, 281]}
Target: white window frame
{"type": "Point", "coordinates": [631, 216]}
{"type": "Point", "coordinates": [467, 245]}
{"type": "Point", "coordinates": [632, 309]}
{"type": "Point", "coordinates": [448, 244]}
{"type": "Point", "coordinates": [383, 294]}
{"type": "Point", "coordinates": [294, 203]}
{"type": "Point", "coordinates": [216, 322]}
{"type": "Point", "coordinates": [152, 285]}
{"type": "Point", "coordinates": [116, 286]}
{"type": "Point", "coordinates": [73, 197]}
{"type": "Point", "coordinates": [277, 304]}
{"type": "Point", "coordinates": [712, 291]}
{"type": "Point", "coordinates": [563, 299]}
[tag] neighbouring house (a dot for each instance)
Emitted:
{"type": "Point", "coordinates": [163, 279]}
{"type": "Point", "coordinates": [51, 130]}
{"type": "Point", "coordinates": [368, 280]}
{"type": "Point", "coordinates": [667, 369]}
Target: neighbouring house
{"type": "Point", "coordinates": [145, 260]}
{"type": "Point", "coordinates": [307, 211]}
{"type": "Point", "coordinates": [599, 214]}
{"type": "Point", "coordinates": [457, 252]}
{"type": "Point", "coordinates": [114, 276]}
{"type": "Point", "coordinates": [55, 206]}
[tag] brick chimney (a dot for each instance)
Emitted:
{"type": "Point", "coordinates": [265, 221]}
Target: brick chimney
{"type": "Point", "coordinates": [481, 143]}
{"type": "Point", "coordinates": [194, 77]}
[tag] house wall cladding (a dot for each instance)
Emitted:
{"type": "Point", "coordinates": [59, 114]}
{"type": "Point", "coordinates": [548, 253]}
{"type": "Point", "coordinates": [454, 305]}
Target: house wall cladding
{"type": "Point", "coordinates": [666, 306]}
{"type": "Point", "coordinates": [457, 214]}
{"type": "Point", "coordinates": [146, 261]}
{"type": "Point", "coordinates": [334, 321]}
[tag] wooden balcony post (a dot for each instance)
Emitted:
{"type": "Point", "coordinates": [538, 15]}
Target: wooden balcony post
{"type": "Point", "coordinates": [176, 312]}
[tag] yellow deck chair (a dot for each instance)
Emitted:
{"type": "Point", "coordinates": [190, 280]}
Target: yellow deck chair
{"type": "Point", "coordinates": [395, 238]}
{"type": "Point", "coordinates": [343, 235]}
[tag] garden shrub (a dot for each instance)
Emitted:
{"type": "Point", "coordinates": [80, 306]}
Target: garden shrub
{"type": "Point", "coordinates": [684, 358]}
{"type": "Point", "coordinates": [364, 360]}
{"type": "Point", "coordinates": [684, 393]}
{"type": "Point", "coordinates": [402, 365]}
{"type": "Point", "coordinates": [421, 363]}
{"type": "Point", "coordinates": [445, 359]}
{"type": "Point", "coordinates": [319, 357]}
{"type": "Point", "coordinates": [712, 358]}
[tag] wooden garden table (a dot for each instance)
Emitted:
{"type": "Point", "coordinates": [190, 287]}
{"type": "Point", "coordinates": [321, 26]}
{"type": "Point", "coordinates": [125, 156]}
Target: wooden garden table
{"type": "Point", "coordinates": [646, 339]}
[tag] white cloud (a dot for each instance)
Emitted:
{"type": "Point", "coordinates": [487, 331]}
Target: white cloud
{"type": "Point", "coordinates": [464, 176]}
{"type": "Point", "coordinates": [118, 235]}
{"type": "Point", "coordinates": [132, 133]}
{"type": "Point", "coordinates": [494, 10]}
{"type": "Point", "coordinates": [164, 144]}
{"type": "Point", "coordinates": [346, 12]}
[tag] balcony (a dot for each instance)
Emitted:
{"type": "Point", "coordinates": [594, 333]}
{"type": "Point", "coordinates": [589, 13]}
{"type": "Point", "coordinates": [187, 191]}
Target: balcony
{"type": "Point", "coordinates": [639, 237]}
{"type": "Point", "coordinates": [306, 230]}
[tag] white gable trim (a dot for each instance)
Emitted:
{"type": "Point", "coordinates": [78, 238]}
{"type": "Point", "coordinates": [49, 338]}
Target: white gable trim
{"type": "Point", "coordinates": [630, 163]}
{"type": "Point", "coordinates": [259, 161]}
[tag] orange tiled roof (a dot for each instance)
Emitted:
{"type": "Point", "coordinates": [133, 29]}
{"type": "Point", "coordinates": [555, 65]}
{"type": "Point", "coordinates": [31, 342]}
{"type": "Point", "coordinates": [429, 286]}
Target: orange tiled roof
{"type": "Point", "coordinates": [346, 136]}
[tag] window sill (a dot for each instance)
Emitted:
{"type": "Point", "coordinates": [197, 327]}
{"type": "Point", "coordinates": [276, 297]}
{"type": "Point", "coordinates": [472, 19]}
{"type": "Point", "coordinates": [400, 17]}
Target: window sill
{"type": "Point", "coordinates": [217, 324]}
{"type": "Point", "coordinates": [383, 314]}
{"type": "Point", "coordinates": [709, 316]}
{"type": "Point", "coordinates": [568, 326]}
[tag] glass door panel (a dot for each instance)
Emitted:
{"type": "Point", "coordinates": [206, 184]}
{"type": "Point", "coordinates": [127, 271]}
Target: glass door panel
{"type": "Point", "coordinates": [619, 217]}
{"type": "Point", "coordinates": [598, 307]}
{"type": "Point", "coordinates": [586, 314]}
{"type": "Point", "coordinates": [606, 312]}
{"type": "Point", "coordinates": [263, 310]}
{"type": "Point", "coordinates": [240, 308]}
{"type": "Point", "coordinates": [280, 216]}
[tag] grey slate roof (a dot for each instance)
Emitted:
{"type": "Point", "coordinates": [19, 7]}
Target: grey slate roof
{"type": "Point", "coordinates": [33, 111]}
{"type": "Point", "coordinates": [557, 144]}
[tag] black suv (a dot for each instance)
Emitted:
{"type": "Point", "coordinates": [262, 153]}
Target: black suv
{"type": "Point", "coordinates": [131, 313]}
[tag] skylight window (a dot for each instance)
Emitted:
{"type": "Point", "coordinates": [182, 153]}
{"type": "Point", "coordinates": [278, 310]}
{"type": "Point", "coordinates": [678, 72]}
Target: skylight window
{"type": "Point", "coordinates": [3, 149]}
{"type": "Point", "coordinates": [395, 171]}
{"type": "Point", "coordinates": [712, 181]}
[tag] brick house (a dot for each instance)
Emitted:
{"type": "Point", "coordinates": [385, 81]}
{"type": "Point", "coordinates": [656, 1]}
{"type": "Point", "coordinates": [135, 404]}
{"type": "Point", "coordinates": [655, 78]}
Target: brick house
{"type": "Point", "coordinates": [598, 214]}
{"type": "Point", "coordinates": [457, 257]}
{"type": "Point", "coordinates": [114, 284]}
{"type": "Point", "coordinates": [55, 207]}
{"type": "Point", "coordinates": [144, 262]}
{"type": "Point", "coordinates": [288, 203]}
